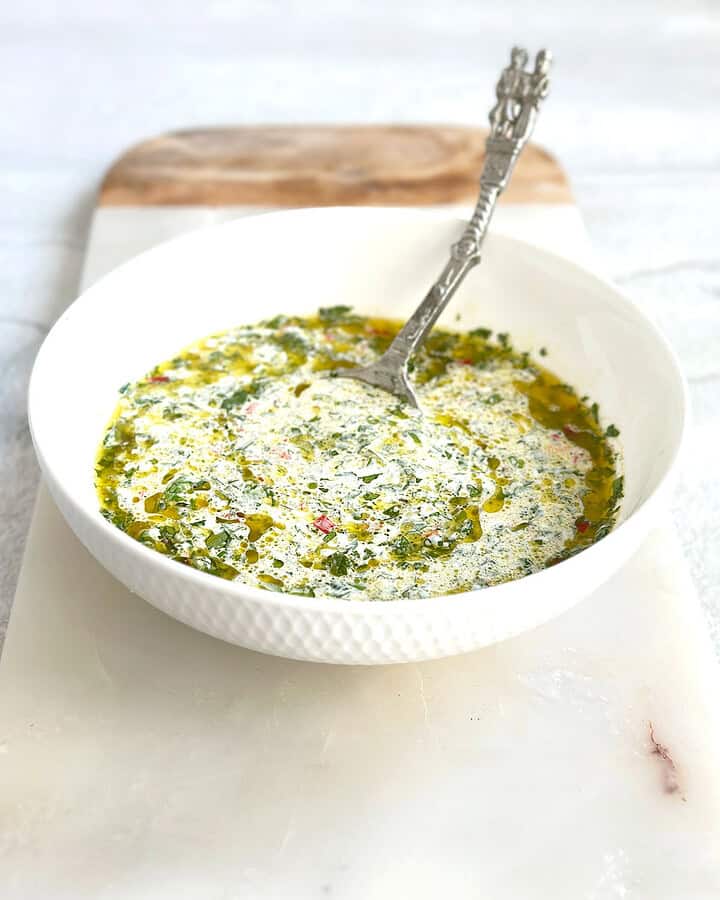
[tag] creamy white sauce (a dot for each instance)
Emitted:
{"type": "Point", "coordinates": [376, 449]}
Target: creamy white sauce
{"type": "Point", "coordinates": [368, 498]}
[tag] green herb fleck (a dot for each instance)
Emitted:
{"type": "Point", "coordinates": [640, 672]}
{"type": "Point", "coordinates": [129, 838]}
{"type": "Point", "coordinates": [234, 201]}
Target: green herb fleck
{"type": "Point", "coordinates": [218, 541]}
{"type": "Point", "coordinates": [484, 333]}
{"type": "Point", "coordinates": [337, 563]}
{"type": "Point", "coordinates": [331, 315]}
{"type": "Point", "coordinates": [237, 398]}
{"type": "Point", "coordinates": [176, 489]}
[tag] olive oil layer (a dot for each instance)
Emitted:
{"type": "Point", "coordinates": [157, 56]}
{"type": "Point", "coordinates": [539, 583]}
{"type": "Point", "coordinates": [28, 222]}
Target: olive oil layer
{"type": "Point", "coordinates": [241, 458]}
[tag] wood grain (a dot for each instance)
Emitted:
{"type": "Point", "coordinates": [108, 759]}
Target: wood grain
{"type": "Point", "coordinates": [375, 165]}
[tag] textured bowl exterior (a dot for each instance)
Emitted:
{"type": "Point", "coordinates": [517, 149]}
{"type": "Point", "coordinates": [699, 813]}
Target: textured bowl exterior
{"type": "Point", "coordinates": [336, 631]}
{"type": "Point", "coordinates": [327, 629]}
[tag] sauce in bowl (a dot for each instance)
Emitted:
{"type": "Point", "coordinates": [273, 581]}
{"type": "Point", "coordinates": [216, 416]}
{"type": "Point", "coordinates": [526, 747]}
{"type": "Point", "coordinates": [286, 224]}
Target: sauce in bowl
{"type": "Point", "coordinates": [238, 459]}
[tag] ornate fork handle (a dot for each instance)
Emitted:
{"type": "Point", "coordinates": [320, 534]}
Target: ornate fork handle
{"type": "Point", "coordinates": [519, 94]}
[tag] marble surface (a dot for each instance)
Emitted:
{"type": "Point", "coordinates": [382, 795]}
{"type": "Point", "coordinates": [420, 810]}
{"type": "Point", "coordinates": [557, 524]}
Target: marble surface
{"type": "Point", "coordinates": [142, 760]}
{"type": "Point", "coordinates": [633, 117]}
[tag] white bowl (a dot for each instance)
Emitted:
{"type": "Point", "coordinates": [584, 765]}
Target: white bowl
{"type": "Point", "coordinates": [380, 261]}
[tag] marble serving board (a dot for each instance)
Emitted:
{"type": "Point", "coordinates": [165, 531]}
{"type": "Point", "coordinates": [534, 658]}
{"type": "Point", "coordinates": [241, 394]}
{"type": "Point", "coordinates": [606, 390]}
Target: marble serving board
{"type": "Point", "coordinates": [140, 759]}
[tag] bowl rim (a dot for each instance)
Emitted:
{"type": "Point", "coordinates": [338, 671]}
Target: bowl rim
{"type": "Point", "coordinates": [322, 604]}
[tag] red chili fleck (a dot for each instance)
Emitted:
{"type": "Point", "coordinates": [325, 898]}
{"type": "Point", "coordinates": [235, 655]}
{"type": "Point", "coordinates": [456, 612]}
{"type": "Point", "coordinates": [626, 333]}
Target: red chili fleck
{"type": "Point", "coordinates": [582, 525]}
{"type": "Point", "coordinates": [322, 523]}
{"type": "Point", "coordinates": [231, 516]}
{"type": "Point", "coordinates": [570, 431]}
{"type": "Point", "coordinates": [158, 379]}
{"type": "Point", "coordinates": [466, 362]}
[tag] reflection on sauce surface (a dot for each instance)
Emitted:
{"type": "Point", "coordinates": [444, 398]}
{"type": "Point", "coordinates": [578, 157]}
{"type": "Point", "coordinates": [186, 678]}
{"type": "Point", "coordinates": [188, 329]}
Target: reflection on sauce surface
{"type": "Point", "coordinates": [240, 458]}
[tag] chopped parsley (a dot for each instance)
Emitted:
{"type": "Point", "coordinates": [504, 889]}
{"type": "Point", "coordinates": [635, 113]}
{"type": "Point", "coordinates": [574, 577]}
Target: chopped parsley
{"type": "Point", "coordinates": [247, 463]}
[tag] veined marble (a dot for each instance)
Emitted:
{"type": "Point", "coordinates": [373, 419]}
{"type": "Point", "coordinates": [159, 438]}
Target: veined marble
{"type": "Point", "coordinates": [140, 759]}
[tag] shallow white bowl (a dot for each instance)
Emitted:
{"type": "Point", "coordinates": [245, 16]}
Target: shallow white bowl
{"type": "Point", "coordinates": [380, 261]}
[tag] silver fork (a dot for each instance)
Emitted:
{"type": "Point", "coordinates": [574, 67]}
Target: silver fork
{"type": "Point", "coordinates": [519, 95]}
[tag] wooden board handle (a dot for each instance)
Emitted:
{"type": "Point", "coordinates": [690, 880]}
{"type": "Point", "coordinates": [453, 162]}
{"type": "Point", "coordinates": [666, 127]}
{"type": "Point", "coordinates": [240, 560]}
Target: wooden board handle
{"type": "Point", "coordinates": [283, 165]}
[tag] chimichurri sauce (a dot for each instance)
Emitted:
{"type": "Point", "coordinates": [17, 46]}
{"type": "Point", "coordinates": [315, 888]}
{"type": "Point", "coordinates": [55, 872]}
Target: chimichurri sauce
{"type": "Point", "coordinates": [239, 457]}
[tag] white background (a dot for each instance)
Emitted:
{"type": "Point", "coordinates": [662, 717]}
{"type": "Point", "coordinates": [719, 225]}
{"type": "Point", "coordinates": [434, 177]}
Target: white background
{"type": "Point", "coordinates": [633, 116]}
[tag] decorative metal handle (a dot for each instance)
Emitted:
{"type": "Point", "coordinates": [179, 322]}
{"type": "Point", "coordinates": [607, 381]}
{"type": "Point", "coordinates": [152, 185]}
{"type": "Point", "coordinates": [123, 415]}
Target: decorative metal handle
{"type": "Point", "coordinates": [512, 118]}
